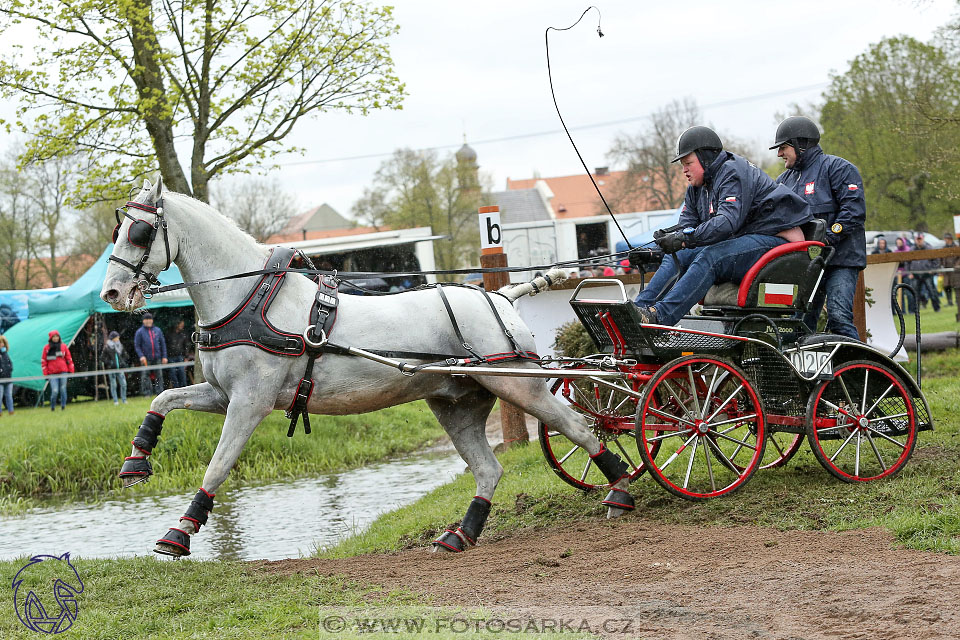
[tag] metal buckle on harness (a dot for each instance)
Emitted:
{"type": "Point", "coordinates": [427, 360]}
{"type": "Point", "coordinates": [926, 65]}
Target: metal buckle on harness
{"type": "Point", "coordinates": [308, 332]}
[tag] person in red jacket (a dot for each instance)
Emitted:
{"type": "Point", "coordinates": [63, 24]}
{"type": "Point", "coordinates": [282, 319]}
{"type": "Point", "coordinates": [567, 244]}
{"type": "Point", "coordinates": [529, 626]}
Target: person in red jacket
{"type": "Point", "coordinates": [56, 360]}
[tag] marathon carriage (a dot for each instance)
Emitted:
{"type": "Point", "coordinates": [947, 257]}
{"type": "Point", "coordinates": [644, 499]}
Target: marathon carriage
{"type": "Point", "coordinates": [703, 405]}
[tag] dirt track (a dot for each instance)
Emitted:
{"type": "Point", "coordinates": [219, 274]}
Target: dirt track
{"type": "Point", "coordinates": [686, 582]}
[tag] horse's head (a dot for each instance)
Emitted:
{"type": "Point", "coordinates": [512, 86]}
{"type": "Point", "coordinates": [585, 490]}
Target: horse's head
{"type": "Point", "coordinates": [141, 250]}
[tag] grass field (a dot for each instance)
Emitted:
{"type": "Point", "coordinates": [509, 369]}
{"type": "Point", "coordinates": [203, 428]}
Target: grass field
{"type": "Point", "coordinates": [76, 454]}
{"type": "Point", "coordinates": [931, 321]}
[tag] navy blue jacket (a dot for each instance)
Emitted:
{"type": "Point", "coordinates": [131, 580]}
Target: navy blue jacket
{"type": "Point", "coordinates": [737, 198]}
{"type": "Point", "coordinates": [834, 190]}
{"type": "Point", "coordinates": [149, 343]}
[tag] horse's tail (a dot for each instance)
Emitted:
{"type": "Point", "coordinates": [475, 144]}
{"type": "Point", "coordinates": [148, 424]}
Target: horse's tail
{"type": "Point", "coordinates": [540, 283]}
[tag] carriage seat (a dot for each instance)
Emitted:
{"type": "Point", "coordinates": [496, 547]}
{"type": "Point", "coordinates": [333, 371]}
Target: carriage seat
{"type": "Point", "coordinates": [781, 281]}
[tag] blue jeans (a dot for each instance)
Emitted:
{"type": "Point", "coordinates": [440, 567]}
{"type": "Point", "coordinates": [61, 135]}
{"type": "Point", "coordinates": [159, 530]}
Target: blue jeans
{"type": "Point", "coordinates": [839, 287]}
{"type": "Point", "coordinates": [118, 379]}
{"type": "Point", "coordinates": [926, 290]}
{"type": "Point", "coordinates": [156, 385]}
{"type": "Point", "coordinates": [58, 386]}
{"type": "Point", "coordinates": [178, 375]}
{"type": "Point", "coordinates": [726, 261]}
{"type": "Point", "coordinates": [7, 396]}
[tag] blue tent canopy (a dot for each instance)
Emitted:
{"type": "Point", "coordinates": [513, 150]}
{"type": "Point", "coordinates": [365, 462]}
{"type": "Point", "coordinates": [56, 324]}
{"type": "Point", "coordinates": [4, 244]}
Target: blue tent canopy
{"type": "Point", "coordinates": [84, 294]}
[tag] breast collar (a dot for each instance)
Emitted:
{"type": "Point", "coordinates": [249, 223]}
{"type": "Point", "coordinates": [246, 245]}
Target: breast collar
{"type": "Point", "coordinates": [248, 324]}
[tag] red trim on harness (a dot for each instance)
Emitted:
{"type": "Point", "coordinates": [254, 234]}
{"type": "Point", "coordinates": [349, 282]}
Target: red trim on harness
{"type": "Point", "coordinates": [130, 228]}
{"type": "Point", "coordinates": [142, 207]}
{"type": "Point", "coordinates": [145, 452]}
{"type": "Point", "coordinates": [209, 495]}
{"type": "Point", "coordinates": [135, 458]}
{"type": "Point", "coordinates": [258, 345]}
{"type": "Point", "coordinates": [776, 252]}
{"type": "Point", "coordinates": [309, 393]}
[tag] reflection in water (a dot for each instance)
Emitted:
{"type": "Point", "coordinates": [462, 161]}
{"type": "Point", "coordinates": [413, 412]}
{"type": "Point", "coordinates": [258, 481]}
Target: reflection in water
{"type": "Point", "coordinates": [273, 521]}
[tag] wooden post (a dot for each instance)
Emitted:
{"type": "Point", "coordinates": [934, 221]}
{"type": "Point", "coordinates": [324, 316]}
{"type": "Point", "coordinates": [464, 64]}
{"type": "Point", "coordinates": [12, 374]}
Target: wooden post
{"type": "Point", "coordinates": [512, 420]}
{"type": "Point", "coordinates": [859, 308]}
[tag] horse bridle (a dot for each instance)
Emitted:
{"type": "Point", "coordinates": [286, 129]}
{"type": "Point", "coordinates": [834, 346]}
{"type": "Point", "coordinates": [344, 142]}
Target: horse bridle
{"type": "Point", "coordinates": [142, 234]}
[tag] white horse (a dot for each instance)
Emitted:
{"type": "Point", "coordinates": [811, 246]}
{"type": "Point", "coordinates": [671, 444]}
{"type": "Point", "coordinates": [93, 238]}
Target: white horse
{"type": "Point", "coordinates": [246, 383]}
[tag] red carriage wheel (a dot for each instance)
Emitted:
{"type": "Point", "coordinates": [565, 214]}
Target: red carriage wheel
{"type": "Point", "coordinates": [709, 419]}
{"type": "Point", "coordinates": [610, 413]}
{"type": "Point", "coordinates": [781, 446]}
{"type": "Point", "coordinates": [862, 424]}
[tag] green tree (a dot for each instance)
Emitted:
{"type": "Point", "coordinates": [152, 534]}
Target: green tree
{"type": "Point", "coordinates": [136, 84]}
{"type": "Point", "coordinates": [876, 115]}
{"type": "Point", "coordinates": [418, 189]}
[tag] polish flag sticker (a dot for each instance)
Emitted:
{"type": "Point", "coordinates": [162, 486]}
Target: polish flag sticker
{"type": "Point", "coordinates": [852, 187]}
{"type": "Point", "coordinates": [773, 294]}
{"type": "Point", "coordinates": [731, 199]}
{"type": "Point", "coordinates": [808, 188]}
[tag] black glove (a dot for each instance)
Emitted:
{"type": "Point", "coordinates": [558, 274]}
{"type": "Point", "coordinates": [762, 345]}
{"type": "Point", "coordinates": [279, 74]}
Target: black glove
{"type": "Point", "coordinates": [659, 233]}
{"type": "Point", "coordinates": [671, 242]}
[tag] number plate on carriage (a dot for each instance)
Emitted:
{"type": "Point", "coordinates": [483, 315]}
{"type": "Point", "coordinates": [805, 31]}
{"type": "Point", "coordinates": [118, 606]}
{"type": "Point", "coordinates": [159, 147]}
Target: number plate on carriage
{"type": "Point", "coordinates": [811, 362]}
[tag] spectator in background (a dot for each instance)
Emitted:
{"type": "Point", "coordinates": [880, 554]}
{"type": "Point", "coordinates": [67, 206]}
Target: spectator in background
{"type": "Point", "coordinates": [177, 348]}
{"type": "Point", "coordinates": [6, 371]}
{"type": "Point", "coordinates": [115, 357]}
{"type": "Point", "coordinates": [881, 246]}
{"type": "Point", "coordinates": [151, 348]}
{"type": "Point", "coordinates": [951, 279]}
{"type": "Point", "coordinates": [920, 277]}
{"type": "Point", "coordinates": [56, 360]}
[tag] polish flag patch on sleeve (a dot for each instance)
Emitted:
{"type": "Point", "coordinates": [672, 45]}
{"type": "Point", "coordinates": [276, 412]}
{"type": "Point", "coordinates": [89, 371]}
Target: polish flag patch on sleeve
{"type": "Point", "coordinates": [852, 187]}
{"type": "Point", "coordinates": [776, 295]}
{"type": "Point", "coordinates": [730, 199]}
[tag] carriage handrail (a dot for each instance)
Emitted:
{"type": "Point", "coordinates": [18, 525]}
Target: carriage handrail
{"type": "Point", "coordinates": [623, 291]}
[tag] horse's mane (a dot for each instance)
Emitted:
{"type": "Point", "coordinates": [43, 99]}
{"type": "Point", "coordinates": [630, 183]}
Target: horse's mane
{"type": "Point", "coordinates": [198, 207]}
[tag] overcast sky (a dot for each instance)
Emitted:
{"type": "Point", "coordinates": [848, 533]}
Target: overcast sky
{"type": "Point", "coordinates": [478, 68]}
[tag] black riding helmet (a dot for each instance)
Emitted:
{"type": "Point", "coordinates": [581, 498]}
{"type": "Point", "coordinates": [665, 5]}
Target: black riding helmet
{"type": "Point", "coordinates": [800, 132]}
{"type": "Point", "coordinates": [701, 140]}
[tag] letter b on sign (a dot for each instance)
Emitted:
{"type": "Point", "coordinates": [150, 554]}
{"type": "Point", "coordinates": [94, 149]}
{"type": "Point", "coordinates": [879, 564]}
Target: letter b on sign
{"type": "Point", "coordinates": [491, 233]}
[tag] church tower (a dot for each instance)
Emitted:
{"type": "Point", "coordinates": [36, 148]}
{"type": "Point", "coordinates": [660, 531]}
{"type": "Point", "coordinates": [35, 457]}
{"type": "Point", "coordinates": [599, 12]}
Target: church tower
{"type": "Point", "coordinates": [467, 169]}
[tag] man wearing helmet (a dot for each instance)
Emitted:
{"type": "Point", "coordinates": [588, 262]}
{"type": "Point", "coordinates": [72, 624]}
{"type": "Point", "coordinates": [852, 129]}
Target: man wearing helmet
{"type": "Point", "coordinates": [834, 190]}
{"type": "Point", "coordinates": [732, 214]}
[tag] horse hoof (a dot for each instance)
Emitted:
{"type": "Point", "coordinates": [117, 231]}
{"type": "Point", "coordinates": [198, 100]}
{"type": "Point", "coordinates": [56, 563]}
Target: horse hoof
{"type": "Point", "coordinates": [129, 481]}
{"type": "Point", "coordinates": [135, 469]}
{"type": "Point", "coordinates": [176, 543]}
{"type": "Point", "coordinates": [618, 503]}
{"type": "Point", "coordinates": [449, 542]}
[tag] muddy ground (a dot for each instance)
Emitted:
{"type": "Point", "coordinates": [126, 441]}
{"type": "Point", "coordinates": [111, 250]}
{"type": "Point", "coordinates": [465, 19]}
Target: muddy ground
{"type": "Point", "coordinates": [669, 582]}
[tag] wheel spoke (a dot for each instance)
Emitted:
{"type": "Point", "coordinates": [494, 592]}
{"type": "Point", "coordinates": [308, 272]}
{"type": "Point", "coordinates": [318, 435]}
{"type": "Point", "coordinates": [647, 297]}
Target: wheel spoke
{"type": "Point", "coordinates": [625, 454]}
{"type": "Point", "coordinates": [856, 459]}
{"type": "Point", "coordinates": [569, 453]}
{"type": "Point", "coordinates": [676, 395]}
{"type": "Point", "coordinates": [886, 437]}
{"type": "Point", "coordinates": [837, 408]}
{"type": "Point", "coordinates": [890, 417]}
{"type": "Point", "coordinates": [776, 446]}
{"type": "Point", "coordinates": [617, 408]}
{"type": "Point", "coordinates": [610, 398]}
{"type": "Point", "coordinates": [740, 442]}
{"type": "Point", "coordinates": [880, 399]}
{"type": "Point", "coordinates": [876, 451]}
{"type": "Point", "coordinates": [672, 434]}
{"type": "Point", "coordinates": [735, 421]}
{"type": "Point", "coordinates": [846, 394]}
{"type": "Point", "coordinates": [725, 403]}
{"type": "Point", "coordinates": [586, 469]}
{"type": "Point", "coordinates": [693, 392]}
{"type": "Point", "coordinates": [849, 438]}
{"type": "Point", "coordinates": [719, 453]}
{"type": "Point", "coordinates": [866, 379]}
{"type": "Point", "coordinates": [677, 453]}
{"type": "Point", "coordinates": [710, 388]}
{"type": "Point", "coordinates": [686, 479]}
{"type": "Point", "coordinates": [667, 416]}
{"type": "Point", "coordinates": [706, 454]}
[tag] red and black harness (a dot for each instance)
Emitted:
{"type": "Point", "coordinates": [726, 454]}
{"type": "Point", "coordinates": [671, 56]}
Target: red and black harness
{"type": "Point", "coordinates": [248, 325]}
